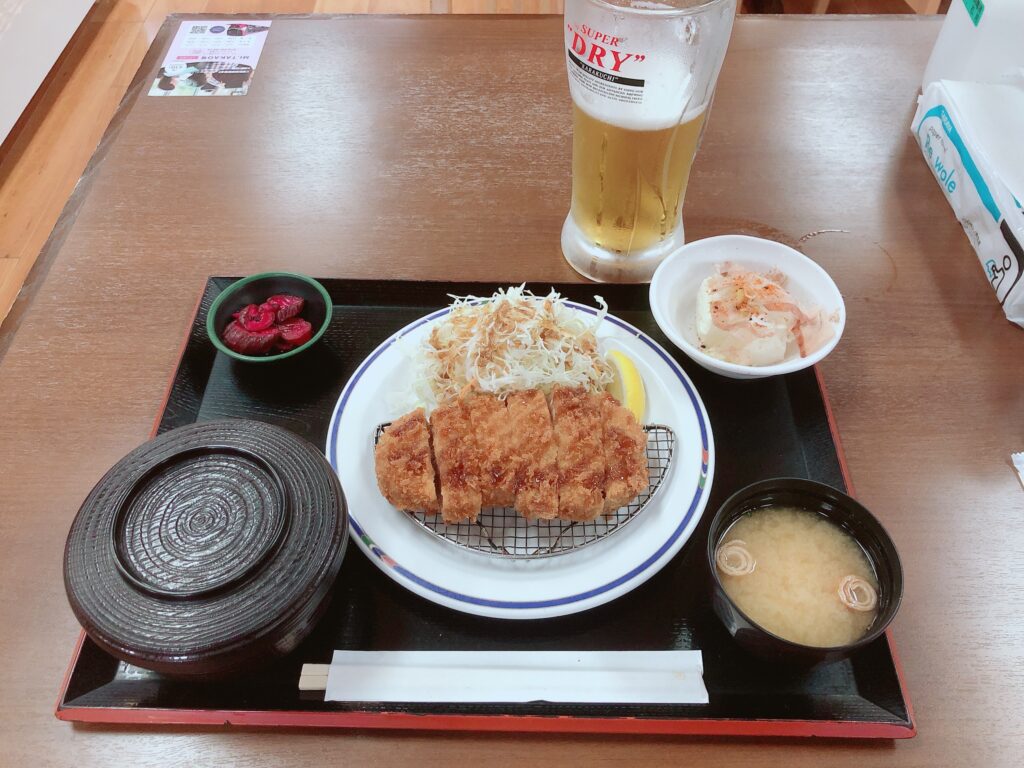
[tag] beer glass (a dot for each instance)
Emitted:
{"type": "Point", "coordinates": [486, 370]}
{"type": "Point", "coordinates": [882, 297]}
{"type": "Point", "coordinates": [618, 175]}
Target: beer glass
{"type": "Point", "coordinates": [641, 75]}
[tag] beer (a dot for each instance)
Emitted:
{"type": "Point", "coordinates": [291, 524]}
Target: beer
{"type": "Point", "coordinates": [628, 185]}
{"type": "Point", "coordinates": [641, 76]}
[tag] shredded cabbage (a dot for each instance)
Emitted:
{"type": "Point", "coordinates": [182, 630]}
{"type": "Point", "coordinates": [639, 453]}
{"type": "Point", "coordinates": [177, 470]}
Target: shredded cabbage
{"type": "Point", "coordinates": [510, 341]}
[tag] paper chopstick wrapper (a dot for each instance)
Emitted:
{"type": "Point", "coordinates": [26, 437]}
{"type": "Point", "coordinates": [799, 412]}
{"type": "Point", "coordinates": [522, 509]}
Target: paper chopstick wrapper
{"type": "Point", "coordinates": [619, 677]}
{"type": "Point", "coordinates": [1018, 464]}
{"type": "Point", "coordinates": [970, 134]}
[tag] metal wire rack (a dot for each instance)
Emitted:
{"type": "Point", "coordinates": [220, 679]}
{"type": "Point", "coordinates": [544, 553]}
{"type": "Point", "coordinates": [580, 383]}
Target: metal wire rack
{"type": "Point", "coordinates": [503, 532]}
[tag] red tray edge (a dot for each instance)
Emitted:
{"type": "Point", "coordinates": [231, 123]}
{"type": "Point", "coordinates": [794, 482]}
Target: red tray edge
{"type": "Point", "coordinates": [845, 469]}
{"type": "Point", "coordinates": [492, 723]}
{"type": "Point", "coordinates": [496, 723]}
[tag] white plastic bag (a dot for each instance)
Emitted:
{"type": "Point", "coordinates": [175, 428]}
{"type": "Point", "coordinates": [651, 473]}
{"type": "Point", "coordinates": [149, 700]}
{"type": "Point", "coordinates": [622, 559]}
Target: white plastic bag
{"type": "Point", "coordinates": [968, 133]}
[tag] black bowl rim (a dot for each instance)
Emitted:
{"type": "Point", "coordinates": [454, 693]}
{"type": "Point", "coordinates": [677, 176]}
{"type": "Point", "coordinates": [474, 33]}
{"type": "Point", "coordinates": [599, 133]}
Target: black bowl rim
{"type": "Point", "coordinates": [298, 618]}
{"type": "Point", "coordinates": [223, 296]}
{"type": "Point", "coordinates": [801, 485]}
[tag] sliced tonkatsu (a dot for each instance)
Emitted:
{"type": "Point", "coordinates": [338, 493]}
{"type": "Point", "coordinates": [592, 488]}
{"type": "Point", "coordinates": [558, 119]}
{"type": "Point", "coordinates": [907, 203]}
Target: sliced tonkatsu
{"type": "Point", "coordinates": [576, 417]}
{"type": "Point", "coordinates": [625, 454]}
{"type": "Point", "coordinates": [458, 465]}
{"type": "Point", "coordinates": [493, 433]}
{"type": "Point", "coordinates": [582, 455]}
{"type": "Point", "coordinates": [405, 471]}
{"type": "Point", "coordinates": [534, 454]}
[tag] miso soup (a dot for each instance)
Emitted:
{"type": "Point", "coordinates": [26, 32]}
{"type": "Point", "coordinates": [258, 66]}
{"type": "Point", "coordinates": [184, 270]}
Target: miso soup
{"type": "Point", "coordinates": [799, 576]}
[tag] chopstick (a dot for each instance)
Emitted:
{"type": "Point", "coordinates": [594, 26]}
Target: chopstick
{"type": "Point", "coordinates": [314, 677]}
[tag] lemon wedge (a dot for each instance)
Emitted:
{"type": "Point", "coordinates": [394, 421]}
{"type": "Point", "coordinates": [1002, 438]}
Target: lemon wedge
{"type": "Point", "coordinates": [628, 386]}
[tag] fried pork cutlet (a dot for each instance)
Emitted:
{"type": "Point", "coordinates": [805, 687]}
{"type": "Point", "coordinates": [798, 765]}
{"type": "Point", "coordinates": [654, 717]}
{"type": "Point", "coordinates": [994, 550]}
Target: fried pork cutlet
{"type": "Point", "coordinates": [458, 466]}
{"type": "Point", "coordinates": [492, 432]}
{"type": "Point", "coordinates": [534, 454]}
{"type": "Point", "coordinates": [625, 454]}
{"type": "Point", "coordinates": [405, 472]}
{"type": "Point", "coordinates": [576, 415]}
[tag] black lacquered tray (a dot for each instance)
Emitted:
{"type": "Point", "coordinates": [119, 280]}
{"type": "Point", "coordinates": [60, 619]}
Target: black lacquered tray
{"type": "Point", "coordinates": [768, 428]}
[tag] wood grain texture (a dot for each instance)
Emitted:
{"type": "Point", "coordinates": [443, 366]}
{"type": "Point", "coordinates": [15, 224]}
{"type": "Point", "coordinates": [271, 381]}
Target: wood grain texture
{"type": "Point", "coordinates": [43, 160]}
{"type": "Point", "coordinates": [507, 6]}
{"type": "Point", "coordinates": [925, 6]}
{"type": "Point", "coordinates": [405, 153]}
{"type": "Point", "coordinates": [844, 6]}
{"type": "Point", "coordinates": [45, 155]}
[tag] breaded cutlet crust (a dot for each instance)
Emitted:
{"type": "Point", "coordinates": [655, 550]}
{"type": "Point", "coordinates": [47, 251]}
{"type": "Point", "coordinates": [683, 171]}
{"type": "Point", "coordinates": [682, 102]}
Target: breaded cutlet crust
{"type": "Point", "coordinates": [492, 431]}
{"type": "Point", "coordinates": [534, 453]}
{"type": "Point", "coordinates": [404, 466]}
{"type": "Point", "coordinates": [625, 454]}
{"type": "Point", "coordinates": [458, 466]}
{"type": "Point", "coordinates": [576, 416]}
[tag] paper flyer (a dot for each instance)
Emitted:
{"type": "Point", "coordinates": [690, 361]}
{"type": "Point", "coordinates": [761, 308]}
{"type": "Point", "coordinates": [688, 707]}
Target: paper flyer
{"type": "Point", "coordinates": [211, 57]}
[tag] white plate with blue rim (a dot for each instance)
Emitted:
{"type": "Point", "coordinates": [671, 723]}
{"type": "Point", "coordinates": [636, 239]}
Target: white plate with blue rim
{"type": "Point", "coordinates": [523, 588]}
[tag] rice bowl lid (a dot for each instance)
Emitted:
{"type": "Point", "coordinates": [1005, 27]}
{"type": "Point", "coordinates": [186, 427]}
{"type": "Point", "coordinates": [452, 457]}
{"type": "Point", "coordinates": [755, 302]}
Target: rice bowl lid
{"type": "Point", "coordinates": [207, 547]}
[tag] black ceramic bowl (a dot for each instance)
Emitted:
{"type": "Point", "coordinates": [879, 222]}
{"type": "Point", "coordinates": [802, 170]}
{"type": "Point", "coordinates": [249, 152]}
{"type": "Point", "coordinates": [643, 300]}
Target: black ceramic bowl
{"type": "Point", "coordinates": [255, 289]}
{"type": "Point", "coordinates": [852, 517]}
{"type": "Point", "coordinates": [208, 550]}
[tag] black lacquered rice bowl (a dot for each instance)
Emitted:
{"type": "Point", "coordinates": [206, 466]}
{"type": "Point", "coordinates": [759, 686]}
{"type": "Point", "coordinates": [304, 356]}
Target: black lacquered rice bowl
{"type": "Point", "coordinates": [208, 549]}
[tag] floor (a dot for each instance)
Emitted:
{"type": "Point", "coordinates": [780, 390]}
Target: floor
{"type": "Point", "coordinates": [43, 157]}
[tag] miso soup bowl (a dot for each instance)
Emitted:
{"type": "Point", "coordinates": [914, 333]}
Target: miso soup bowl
{"type": "Point", "coordinates": [842, 510]}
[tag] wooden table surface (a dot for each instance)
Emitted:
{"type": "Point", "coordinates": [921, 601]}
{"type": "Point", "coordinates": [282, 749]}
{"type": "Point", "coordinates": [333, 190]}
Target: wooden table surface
{"type": "Point", "coordinates": [439, 147]}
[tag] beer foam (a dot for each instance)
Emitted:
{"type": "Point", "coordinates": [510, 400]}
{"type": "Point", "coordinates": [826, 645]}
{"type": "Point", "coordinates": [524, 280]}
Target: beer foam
{"type": "Point", "coordinates": [668, 106]}
{"type": "Point", "coordinates": [644, 72]}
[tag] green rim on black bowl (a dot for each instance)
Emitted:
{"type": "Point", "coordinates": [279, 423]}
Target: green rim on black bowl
{"type": "Point", "coordinates": [227, 293]}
